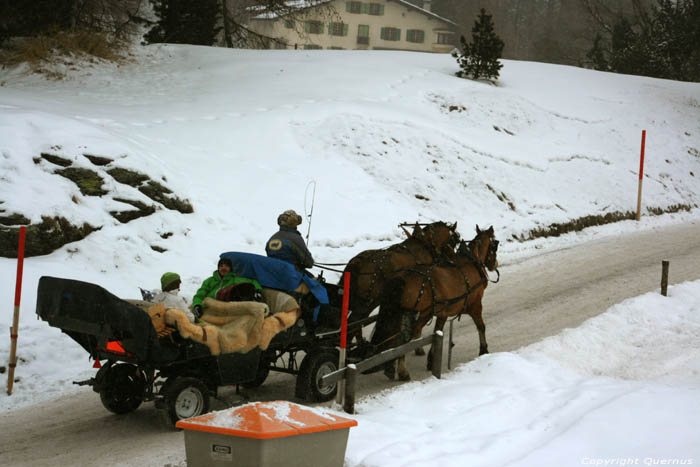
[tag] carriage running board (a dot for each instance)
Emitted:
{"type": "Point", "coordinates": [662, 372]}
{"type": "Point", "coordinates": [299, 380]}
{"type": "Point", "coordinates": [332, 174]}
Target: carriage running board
{"type": "Point", "coordinates": [87, 382]}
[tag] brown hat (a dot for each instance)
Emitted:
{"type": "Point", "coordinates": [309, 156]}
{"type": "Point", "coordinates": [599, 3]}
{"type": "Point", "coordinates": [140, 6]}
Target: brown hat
{"type": "Point", "coordinates": [289, 218]}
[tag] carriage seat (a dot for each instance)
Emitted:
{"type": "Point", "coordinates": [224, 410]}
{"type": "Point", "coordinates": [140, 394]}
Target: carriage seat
{"type": "Point", "coordinates": [276, 274]}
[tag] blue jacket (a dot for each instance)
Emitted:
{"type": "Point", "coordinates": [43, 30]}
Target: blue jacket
{"type": "Point", "coordinates": [289, 246]}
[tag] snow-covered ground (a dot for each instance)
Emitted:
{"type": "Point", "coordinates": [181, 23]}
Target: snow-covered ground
{"type": "Point", "coordinates": [621, 389]}
{"type": "Point", "coordinates": [388, 137]}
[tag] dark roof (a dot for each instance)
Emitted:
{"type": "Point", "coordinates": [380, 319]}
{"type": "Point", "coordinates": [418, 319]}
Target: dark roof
{"type": "Point", "coordinates": [425, 12]}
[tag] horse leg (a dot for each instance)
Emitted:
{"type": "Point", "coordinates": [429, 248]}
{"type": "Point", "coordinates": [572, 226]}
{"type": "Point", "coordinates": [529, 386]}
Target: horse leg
{"type": "Point", "coordinates": [390, 369]}
{"type": "Point", "coordinates": [475, 313]}
{"type": "Point", "coordinates": [419, 351]}
{"type": "Point", "coordinates": [404, 375]}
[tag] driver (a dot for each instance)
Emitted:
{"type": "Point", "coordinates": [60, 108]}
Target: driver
{"type": "Point", "coordinates": [287, 244]}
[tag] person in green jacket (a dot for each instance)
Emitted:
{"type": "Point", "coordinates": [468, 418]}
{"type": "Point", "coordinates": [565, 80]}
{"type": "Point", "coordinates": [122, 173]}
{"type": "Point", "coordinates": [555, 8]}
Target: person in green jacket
{"type": "Point", "coordinates": [222, 277]}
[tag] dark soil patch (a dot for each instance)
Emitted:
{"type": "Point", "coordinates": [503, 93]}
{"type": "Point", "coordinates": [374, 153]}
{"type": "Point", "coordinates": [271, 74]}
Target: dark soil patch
{"type": "Point", "coordinates": [98, 160]}
{"type": "Point", "coordinates": [669, 209]}
{"type": "Point", "coordinates": [166, 235]}
{"type": "Point", "coordinates": [58, 160]}
{"type": "Point", "coordinates": [14, 219]}
{"type": "Point", "coordinates": [141, 210]}
{"type": "Point", "coordinates": [158, 192]}
{"type": "Point", "coordinates": [89, 182]}
{"type": "Point", "coordinates": [576, 225]}
{"type": "Point", "coordinates": [158, 249]}
{"type": "Point", "coordinates": [502, 197]}
{"type": "Point", "coordinates": [128, 177]}
{"type": "Point", "coordinates": [44, 238]}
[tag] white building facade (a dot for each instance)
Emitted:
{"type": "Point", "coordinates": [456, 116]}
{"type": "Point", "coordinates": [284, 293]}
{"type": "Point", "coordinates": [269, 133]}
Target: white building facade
{"type": "Point", "coordinates": [360, 25]}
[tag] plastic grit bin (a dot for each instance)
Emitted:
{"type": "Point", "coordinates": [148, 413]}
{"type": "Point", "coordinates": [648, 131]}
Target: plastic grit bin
{"type": "Point", "coordinates": [266, 434]}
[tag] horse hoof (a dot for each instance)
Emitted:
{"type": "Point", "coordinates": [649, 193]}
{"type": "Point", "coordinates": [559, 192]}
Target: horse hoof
{"type": "Point", "coordinates": [405, 377]}
{"type": "Point", "coordinates": [483, 351]}
{"type": "Point", "coordinates": [420, 352]}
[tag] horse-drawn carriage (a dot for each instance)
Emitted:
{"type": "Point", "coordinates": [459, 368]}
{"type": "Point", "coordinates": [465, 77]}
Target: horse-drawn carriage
{"type": "Point", "coordinates": [180, 373]}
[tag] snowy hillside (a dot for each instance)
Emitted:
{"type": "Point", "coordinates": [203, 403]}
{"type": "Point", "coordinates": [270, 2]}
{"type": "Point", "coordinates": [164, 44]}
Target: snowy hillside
{"type": "Point", "coordinates": [387, 136]}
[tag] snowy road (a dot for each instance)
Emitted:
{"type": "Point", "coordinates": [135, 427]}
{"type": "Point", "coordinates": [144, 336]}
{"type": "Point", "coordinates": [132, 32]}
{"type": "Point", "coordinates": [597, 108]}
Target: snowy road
{"type": "Point", "coordinates": [535, 298]}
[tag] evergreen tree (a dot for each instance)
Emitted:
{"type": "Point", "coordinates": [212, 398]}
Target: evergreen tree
{"type": "Point", "coordinates": [479, 59]}
{"type": "Point", "coordinates": [664, 43]}
{"type": "Point", "coordinates": [597, 54]}
{"type": "Point", "coordinates": [35, 17]}
{"type": "Point", "coordinates": [185, 22]}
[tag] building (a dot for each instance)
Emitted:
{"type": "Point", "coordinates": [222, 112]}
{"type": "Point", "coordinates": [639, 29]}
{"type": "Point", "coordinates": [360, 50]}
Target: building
{"type": "Point", "coordinates": [359, 25]}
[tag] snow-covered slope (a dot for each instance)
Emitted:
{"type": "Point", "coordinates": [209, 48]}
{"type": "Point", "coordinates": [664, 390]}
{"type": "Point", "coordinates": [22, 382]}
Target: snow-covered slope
{"type": "Point", "coordinates": [387, 137]}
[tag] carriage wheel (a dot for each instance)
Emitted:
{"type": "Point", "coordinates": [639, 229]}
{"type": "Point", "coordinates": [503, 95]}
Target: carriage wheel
{"type": "Point", "coordinates": [123, 387]}
{"type": "Point", "coordinates": [314, 366]}
{"type": "Point", "coordinates": [186, 398]}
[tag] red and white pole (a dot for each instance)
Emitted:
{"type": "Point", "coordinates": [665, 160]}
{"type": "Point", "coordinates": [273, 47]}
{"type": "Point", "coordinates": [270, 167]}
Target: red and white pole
{"type": "Point", "coordinates": [343, 334]}
{"type": "Point", "coordinates": [641, 175]}
{"type": "Point", "coordinates": [14, 330]}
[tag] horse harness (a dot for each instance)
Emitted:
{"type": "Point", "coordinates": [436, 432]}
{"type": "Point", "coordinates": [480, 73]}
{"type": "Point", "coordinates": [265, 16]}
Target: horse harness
{"type": "Point", "coordinates": [481, 267]}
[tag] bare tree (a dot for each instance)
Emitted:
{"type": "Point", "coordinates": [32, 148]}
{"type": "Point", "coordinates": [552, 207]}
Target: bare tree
{"type": "Point", "coordinates": [237, 13]}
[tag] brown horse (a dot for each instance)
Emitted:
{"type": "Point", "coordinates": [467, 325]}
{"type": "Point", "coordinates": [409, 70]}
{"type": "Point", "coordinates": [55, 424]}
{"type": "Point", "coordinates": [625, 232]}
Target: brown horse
{"type": "Point", "coordinates": [370, 269]}
{"type": "Point", "coordinates": [440, 291]}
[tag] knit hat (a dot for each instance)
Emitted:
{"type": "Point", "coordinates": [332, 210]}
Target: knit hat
{"type": "Point", "coordinates": [168, 279]}
{"type": "Point", "coordinates": [289, 218]}
{"type": "Point", "coordinates": [226, 261]}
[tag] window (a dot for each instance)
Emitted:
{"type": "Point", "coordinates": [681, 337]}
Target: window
{"type": "Point", "coordinates": [444, 38]}
{"type": "Point", "coordinates": [363, 34]}
{"type": "Point", "coordinates": [338, 29]}
{"type": "Point", "coordinates": [391, 34]}
{"type": "Point", "coordinates": [415, 35]}
{"type": "Point", "coordinates": [312, 47]}
{"type": "Point", "coordinates": [376, 9]}
{"type": "Point", "coordinates": [289, 24]}
{"type": "Point", "coordinates": [313, 27]}
{"type": "Point", "coordinates": [353, 7]}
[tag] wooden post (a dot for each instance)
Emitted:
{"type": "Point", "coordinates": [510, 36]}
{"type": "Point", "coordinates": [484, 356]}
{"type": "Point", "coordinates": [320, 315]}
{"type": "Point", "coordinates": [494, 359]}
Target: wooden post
{"type": "Point", "coordinates": [350, 384]}
{"type": "Point", "coordinates": [641, 175]}
{"type": "Point", "coordinates": [14, 330]}
{"type": "Point", "coordinates": [449, 346]}
{"type": "Point", "coordinates": [437, 354]}
{"type": "Point", "coordinates": [343, 334]}
{"type": "Point", "coordinates": [664, 277]}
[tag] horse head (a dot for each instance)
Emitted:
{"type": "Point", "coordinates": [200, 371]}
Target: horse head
{"type": "Point", "coordinates": [441, 237]}
{"type": "Point", "coordinates": [482, 248]}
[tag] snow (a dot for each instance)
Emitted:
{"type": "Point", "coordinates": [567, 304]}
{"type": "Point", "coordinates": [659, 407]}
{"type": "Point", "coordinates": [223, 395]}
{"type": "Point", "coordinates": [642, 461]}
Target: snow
{"type": "Point", "coordinates": [388, 137]}
{"type": "Point", "coordinates": [615, 388]}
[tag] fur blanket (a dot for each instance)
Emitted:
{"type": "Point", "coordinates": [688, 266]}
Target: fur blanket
{"type": "Point", "coordinates": [233, 326]}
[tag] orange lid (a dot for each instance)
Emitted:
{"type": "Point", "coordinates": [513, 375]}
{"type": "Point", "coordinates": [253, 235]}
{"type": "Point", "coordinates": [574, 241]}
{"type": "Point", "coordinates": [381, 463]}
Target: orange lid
{"type": "Point", "coordinates": [265, 420]}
